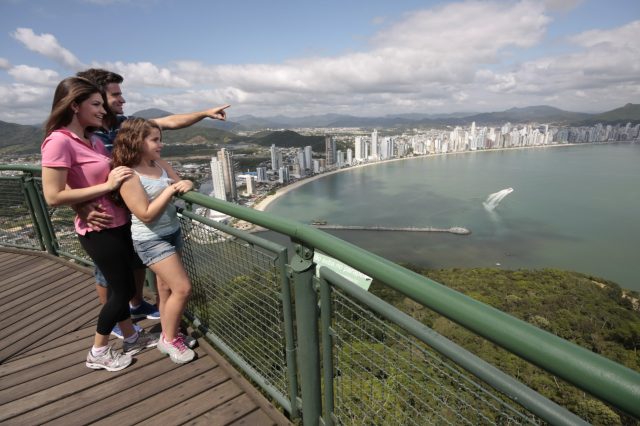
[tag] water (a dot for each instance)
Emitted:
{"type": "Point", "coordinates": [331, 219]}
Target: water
{"type": "Point", "coordinates": [575, 208]}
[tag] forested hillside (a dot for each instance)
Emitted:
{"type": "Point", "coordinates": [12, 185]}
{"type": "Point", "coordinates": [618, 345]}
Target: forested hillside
{"type": "Point", "coordinates": [590, 312]}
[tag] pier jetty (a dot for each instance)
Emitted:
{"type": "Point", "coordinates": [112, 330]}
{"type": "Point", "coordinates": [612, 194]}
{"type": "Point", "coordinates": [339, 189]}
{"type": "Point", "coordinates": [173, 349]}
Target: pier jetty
{"type": "Point", "coordinates": [458, 230]}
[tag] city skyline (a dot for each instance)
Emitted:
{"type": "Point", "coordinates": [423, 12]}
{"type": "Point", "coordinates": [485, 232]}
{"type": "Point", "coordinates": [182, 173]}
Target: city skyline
{"type": "Point", "coordinates": [427, 57]}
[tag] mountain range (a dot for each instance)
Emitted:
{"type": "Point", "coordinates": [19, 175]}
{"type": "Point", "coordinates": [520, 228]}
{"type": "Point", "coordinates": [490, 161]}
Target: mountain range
{"type": "Point", "coordinates": [17, 138]}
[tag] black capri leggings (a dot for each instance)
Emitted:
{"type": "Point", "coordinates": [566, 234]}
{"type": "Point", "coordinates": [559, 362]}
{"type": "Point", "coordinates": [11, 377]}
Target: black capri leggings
{"type": "Point", "coordinates": [112, 251]}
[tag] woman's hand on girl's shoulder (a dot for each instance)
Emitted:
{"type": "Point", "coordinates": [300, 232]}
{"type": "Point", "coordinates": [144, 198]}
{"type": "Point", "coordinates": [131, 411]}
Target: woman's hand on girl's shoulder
{"type": "Point", "coordinates": [117, 176]}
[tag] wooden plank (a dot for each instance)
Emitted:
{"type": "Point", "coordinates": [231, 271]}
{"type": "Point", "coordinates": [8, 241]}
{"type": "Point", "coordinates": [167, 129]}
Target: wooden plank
{"type": "Point", "coordinates": [32, 360]}
{"type": "Point", "coordinates": [248, 388]}
{"type": "Point", "coordinates": [43, 309]}
{"type": "Point", "coordinates": [58, 326]}
{"type": "Point", "coordinates": [152, 393]}
{"type": "Point", "coordinates": [38, 264]}
{"type": "Point", "coordinates": [37, 372]}
{"type": "Point", "coordinates": [196, 405]}
{"type": "Point", "coordinates": [18, 282]}
{"type": "Point", "coordinates": [46, 379]}
{"type": "Point", "coordinates": [15, 264]}
{"type": "Point", "coordinates": [100, 393]}
{"type": "Point", "coordinates": [41, 294]}
{"type": "Point", "coordinates": [66, 389]}
{"type": "Point", "coordinates": [79, 337]}
{"type": "Point", "coordinates": [226, 413]}
{"type": "Point", "coordinates": [257, 417]}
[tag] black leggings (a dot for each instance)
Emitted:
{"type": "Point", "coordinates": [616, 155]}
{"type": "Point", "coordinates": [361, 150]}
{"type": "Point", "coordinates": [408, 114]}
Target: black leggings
{"type": "Point", "coordinates": [112, 251]}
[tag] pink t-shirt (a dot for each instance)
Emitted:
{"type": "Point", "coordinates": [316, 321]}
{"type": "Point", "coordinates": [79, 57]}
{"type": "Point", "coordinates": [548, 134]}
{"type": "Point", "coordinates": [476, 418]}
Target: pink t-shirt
{"type": "Point", "coordinates": [86, 167]}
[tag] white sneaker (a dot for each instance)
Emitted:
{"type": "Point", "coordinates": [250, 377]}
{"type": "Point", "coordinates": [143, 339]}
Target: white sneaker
{"type": "Point", "coordinates": [144, 340]}
{"type": "Point", "coordinates": [176, 349]}
{"type": "Point", "coordinates": [110, 361]}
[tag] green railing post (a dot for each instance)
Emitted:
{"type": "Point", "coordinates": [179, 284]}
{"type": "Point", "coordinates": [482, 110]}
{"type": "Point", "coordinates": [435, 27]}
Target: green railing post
{"type": "Point", "coordinates": [290, 346]}
{"type": "Point", "coordinates": [301, 270]}
{"type": "Point", "coordinates": [41, 216]}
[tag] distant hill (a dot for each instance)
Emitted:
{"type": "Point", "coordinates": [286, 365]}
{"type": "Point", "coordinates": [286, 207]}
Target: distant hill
{"type": "Point", "coordinates": [538, 114]}
{"type": "Point", "coordinates": [628, 113]}
{"type": "Point", "coordinates": [20, 139]}
{"type": "Point", "coordinates": [207, 122]}
{"type": "Point", "coordinates": [288, 138]}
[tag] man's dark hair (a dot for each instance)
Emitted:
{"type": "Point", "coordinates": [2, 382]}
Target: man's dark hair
{"type": "Point", "coordinates": [101, 77]}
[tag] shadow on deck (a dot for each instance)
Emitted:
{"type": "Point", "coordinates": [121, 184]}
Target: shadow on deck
{"type": "Point", "coordinates": [48, 310]}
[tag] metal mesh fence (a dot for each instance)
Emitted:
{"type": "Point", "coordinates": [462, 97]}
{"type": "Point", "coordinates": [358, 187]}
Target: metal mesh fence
{"type": "Point", "coordinates": [63, 227]}
{"type": "Point", "coordinates": [236, 295]}
{"type": "Point", "coordinates": [383, 376]}
{"type": "Point", "coordinates": [17, 226]}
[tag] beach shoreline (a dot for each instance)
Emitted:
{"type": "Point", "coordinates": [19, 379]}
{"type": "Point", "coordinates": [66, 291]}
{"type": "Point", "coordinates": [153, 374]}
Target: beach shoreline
{"type": "Point", "coordinates": [265, 202]}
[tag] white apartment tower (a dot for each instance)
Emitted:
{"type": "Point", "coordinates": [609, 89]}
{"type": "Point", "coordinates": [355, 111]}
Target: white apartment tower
{"type": "Point", "coordinates": [308, 157]}
{"type": "Point", "coordinates": [374, 145]}
{"type": "Point", "coordinates": [330, 150]}
{"type": "Point", "coordinates": [217, 179]}
{"type": "Point", "coordinates": [226, 160]}
{"type": "Point", "coordinates": [275, 157]}
{"type": "Point", "coordinates": [360, 148]}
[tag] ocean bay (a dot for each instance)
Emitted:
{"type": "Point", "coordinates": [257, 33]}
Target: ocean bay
{"type": "Point", "coordinates": [572, 207]}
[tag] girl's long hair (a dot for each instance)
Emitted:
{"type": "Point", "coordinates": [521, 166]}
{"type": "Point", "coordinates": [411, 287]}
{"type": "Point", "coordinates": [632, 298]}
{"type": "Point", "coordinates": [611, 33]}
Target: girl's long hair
{"type": "Point", "coordinates": [128, 145]}
{"type": "Point", "coordinates": [70, 90]}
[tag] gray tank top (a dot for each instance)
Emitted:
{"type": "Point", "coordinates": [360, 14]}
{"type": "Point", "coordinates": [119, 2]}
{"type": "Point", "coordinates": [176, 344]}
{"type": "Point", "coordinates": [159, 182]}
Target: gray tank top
{"type": "Point", "coordinates": [167, 223]}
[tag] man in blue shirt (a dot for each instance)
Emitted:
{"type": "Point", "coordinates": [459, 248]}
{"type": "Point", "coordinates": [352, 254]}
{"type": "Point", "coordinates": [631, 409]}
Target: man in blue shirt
{"type": "Point", "coordinates": [110, 82]}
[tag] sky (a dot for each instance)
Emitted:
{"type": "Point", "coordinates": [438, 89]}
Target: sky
{"type": "Point", "coordinates": [306, 57]}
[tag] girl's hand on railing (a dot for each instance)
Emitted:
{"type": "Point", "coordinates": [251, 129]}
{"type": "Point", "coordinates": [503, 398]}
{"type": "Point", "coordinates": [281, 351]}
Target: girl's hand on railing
{"type": "Point", "coordinates": [183, 186]}
{"type": "Point", "coordinates": [117, 176]}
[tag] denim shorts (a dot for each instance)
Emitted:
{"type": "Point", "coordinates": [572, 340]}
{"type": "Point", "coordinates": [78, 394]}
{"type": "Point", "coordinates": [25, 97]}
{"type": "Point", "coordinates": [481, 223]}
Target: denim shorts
{"type": "Point", "coordinates": [153, 251]}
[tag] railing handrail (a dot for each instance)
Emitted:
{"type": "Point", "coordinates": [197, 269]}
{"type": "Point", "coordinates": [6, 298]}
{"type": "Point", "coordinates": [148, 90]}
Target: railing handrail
{"type": "Point", "coordinates": [29, 168]}
{"type": "Point", "coordinates": [603, 378]}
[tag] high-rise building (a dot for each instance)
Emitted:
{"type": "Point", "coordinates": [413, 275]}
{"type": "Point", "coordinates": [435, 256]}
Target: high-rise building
{"type": "Point", "coordinates": [261, 173]}
{"type": "Point", "coordinates": [308, 157]}
{"type": "Point", "coordinates": [349, 156]}
{"type": "Point", "coordinates": [250, 188]}
{"type": "Point", "coordinates": [339, 159]}
{"type": "Point", "coordinates": [360, 148]}
{"type": "Point", "coordinates": [374, 145]}
{"type": "Point", "coordinates": [228, 169]}
{"type": "Point", "coordinates": [301, 163]}
{"type": "Point", "coordinates": [283, 174]}
{"type": "Point", "coordinates": [276, 158]}
{"type": "Point", "coordinates": [330, 150]}
{"type": "Point", "coordinates": [217, 179]}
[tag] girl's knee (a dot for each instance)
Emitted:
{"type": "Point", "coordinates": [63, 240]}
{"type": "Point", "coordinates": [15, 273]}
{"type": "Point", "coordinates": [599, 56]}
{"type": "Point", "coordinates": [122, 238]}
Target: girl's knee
{"type": "Point", "coordinates": [183, 289]}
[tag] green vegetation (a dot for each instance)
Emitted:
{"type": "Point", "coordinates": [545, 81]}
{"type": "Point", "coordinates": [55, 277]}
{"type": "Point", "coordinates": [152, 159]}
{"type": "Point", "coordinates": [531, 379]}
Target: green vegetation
{"type": "Point", "coordinates": [630, 113]}
{"type": "Point", "coordinates": [590, 312]}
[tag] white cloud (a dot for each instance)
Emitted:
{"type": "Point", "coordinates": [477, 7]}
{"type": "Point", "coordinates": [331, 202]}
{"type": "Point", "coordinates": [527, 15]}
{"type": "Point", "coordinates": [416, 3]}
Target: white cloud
{"type": "Point", "coordinates": [27, 74]}
{"type": "Point", "coordinates": [459, 56]}
{"type": "Point", "coordinates": [47, 45]}
{"type": "Point", "coordinates": [4, 64]}
{"type": "Point", "coordinates": [145, 74]}
{"type": "Point", "coordinates": [21, 103]}
{"type": "Point", "coordinates": [605, 58]}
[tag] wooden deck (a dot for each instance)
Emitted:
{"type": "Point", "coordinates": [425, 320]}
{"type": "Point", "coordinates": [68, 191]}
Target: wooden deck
{"type": "Point", "coordinates": [48, 310]}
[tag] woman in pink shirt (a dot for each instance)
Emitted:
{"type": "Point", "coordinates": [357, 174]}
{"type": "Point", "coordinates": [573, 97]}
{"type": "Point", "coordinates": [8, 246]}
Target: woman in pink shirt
{"type": "Point", "coordinates": [76, 168]}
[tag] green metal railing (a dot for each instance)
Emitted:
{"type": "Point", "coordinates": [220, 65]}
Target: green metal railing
{"type": "Point", "coordinates": [328, 351]}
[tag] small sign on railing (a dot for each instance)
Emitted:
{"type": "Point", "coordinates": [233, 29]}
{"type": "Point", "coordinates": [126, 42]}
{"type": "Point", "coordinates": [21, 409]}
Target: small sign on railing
{"type": "Point", "coordinates": [353, 275]}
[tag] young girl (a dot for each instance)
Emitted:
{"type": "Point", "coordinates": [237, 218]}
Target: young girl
{"type": "Point", "coordinates": [76, 168]}
{"type": "Point", "coordinates": [155, 228]}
